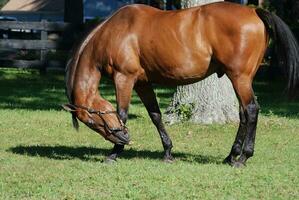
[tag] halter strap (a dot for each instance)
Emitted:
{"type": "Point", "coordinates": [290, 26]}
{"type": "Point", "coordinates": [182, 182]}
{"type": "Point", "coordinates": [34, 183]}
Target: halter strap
{"type": "Point", "coordinates": [93, 111]}
{"type": "Point", "coordinates": [100, 113]}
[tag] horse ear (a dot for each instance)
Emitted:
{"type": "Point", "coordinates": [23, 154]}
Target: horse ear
{"type": "Point", "coordinates": [69, 107]}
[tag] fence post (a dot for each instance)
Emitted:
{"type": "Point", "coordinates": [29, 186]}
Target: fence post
{"type": "Point", "coordinates": [43, 52]}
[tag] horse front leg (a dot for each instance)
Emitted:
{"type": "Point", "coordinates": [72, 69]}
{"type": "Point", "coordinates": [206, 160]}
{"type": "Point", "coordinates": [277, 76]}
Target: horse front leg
{"type": "Point", "coordinates": [148, 97]}
{"type": "Point", "coordinates": [123, 86]}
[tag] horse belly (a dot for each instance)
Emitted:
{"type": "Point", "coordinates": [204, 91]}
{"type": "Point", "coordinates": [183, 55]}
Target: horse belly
{"type": "Point", "coordinates": [170, 81]}
{"type": "Point", "coordinates": [178, 74]}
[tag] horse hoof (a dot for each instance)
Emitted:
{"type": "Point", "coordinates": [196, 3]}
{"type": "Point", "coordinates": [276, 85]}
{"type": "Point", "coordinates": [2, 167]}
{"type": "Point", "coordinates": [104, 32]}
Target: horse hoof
{"type": "Point", "coordinates": [168, 159]}
{"type": "Point", "coordinates": [109, 161]}
{"type": "Point", "coordinates": [228, 160]}
{"type": "Point", "coordinates": [233, 163]}
{"type": "Point", "coordinates": [238, 165]}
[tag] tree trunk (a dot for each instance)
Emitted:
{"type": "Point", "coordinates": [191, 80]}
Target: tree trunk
{"type": "Point", "coordinates": [73, 12]}
{"type": "Point", "coordinates": [2, 3]}
{"type": "Point", "coordinates": [192, 3]}
{"type": "Point", "coordinates": [211, 100]}
{"type": "Point", "coordinates": [261, 2]}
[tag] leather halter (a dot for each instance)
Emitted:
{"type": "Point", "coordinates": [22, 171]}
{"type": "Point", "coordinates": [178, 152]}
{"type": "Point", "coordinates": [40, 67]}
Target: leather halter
{"type": "Point", "coordinates": [100, 114]}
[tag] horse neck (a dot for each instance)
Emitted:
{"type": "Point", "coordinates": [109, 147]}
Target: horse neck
{"type": "Point", "coordinates": [85, 82]}
{"type": "Point", "coordinates": [83, 76]}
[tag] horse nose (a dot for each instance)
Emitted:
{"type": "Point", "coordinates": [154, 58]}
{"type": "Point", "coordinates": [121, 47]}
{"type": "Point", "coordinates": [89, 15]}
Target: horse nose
{"type": "Point", "coordinates": [123, 137]}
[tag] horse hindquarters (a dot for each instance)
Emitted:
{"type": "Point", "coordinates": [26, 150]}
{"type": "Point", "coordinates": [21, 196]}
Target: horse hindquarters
{"type": "Point", "coordinates": [288, 55]}
{"type": "Point", "coordinates": [241, 68]}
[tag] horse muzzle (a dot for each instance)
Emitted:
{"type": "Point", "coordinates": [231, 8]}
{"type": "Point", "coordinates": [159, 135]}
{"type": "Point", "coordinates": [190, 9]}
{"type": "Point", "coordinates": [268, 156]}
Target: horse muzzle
{"type": "Point", "coordinates": [119, 137]}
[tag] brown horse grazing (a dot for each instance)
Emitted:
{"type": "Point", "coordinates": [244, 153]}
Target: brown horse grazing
{"type": "Point", "coordinates": [140, 45]}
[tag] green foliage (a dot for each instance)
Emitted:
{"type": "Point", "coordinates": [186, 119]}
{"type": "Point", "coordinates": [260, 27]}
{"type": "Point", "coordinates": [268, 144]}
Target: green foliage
{"type": "Point", "coordinates": [89, 24]}
{"type": "Point", "coordinates": [185, 111]}
{"type": "Point", "coordinates": [57, 55]}
{"type": "Point", "coordinates": [287, 10]}
{"type": "Point", "coordinates": [268, 6]}
{"type": "Point", "coordinates": [43, 157]}
{"type": "Point", "coordinates": [2, 3]}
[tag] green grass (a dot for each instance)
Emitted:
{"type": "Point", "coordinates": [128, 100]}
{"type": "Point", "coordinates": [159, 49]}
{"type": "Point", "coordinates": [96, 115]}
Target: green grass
{"type": "Point", "coordinates": [42, 157]}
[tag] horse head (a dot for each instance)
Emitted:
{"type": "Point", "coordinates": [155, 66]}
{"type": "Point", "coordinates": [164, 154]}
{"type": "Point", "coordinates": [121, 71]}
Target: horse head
{"type": "Point", "coordinates": [106, 121]}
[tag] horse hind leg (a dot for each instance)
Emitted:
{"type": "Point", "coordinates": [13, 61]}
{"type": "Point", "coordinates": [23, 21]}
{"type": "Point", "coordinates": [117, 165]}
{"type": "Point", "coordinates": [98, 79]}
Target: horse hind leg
{"type": "Point", "coordinates": [251, 114]}
{"type": "Point", "coordinates": [238, 143]}
{"type": "Point", "coordinates": [243, 147]}
{"type": "Point", "coordinates": [148, 97]}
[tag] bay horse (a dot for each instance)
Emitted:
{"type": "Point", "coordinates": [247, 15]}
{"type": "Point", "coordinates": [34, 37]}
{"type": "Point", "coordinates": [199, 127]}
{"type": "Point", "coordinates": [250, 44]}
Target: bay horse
{"type": "Point", "coordinates": [140, 45]}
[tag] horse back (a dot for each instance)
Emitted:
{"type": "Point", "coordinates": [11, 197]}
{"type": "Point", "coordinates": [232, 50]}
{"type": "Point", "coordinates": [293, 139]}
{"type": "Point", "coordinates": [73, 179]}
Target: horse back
{"type": "Point", "coordinates": [175, 45]}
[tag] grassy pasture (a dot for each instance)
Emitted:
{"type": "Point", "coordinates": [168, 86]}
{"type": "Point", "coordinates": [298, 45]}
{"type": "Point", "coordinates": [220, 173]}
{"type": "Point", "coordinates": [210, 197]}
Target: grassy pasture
{"type": "Point", "coordinates": [42, 157]}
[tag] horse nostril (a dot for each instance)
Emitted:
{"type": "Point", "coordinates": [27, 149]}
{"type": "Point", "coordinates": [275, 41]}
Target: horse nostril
{"type": "Point", "coordinates": [90, 122]}
{"type": "Point", "coordinates": [123, 136]}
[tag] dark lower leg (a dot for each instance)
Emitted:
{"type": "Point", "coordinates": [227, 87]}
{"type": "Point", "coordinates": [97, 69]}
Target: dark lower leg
{"type": "Point", "coordinates": [148, 97]}
{"type": "Point", "coordinates": [118, 149]}
{"type": "Point", "coordinates": [123, 115]}
{"type": "Point", "coordinates": [251, 114]}
{"type": "Point", "coordinates": [238, 143]}
{"type": "Point", "coordinates": [166, 141]}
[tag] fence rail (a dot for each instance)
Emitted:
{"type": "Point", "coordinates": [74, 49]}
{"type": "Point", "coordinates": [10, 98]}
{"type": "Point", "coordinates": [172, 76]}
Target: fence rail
{"type": "Point", "coordinates": [40, 42]}
{"type": "Point", "coordinates": [43, 25]}
{"type": "Point", "coordinates": [31, 44]}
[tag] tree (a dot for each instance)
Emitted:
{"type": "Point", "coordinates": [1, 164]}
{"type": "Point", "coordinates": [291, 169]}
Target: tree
{"type": "Point", "coordinates": [261, 2]}
{"type": "Point", "coordinates": [73, 12]}
{"type": "Point", "coordinates": [3, 2]}
{"type": "Point", "coordinates": [211, 100]}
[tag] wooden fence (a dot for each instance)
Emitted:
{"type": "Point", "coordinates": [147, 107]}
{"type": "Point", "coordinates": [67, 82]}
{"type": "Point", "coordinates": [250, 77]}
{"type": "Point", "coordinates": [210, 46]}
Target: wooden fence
{"type": "Point", "coordinates": [32, 36]}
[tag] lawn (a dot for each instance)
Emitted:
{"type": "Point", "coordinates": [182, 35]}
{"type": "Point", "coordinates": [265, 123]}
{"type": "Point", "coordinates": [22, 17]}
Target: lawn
{"type": "Point", "coordinates": [43, 157]}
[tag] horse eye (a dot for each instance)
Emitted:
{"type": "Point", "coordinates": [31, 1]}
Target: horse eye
{"type": "Point", "coordinates": [90, 122]}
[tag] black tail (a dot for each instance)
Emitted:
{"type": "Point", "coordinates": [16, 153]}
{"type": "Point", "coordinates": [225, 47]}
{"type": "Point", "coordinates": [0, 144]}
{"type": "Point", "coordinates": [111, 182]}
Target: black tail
{"type": "Point", "coordinates": [287, 49]}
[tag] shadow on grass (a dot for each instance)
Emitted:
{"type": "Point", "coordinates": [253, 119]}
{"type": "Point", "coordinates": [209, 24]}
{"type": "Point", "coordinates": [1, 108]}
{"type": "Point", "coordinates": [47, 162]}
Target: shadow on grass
{"type": "Point", "coordinates": [30, 90]}
{"type": "Point", "coordinates": [273, 99]}
{"type": "Point", "coordinates": [89, 153]}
